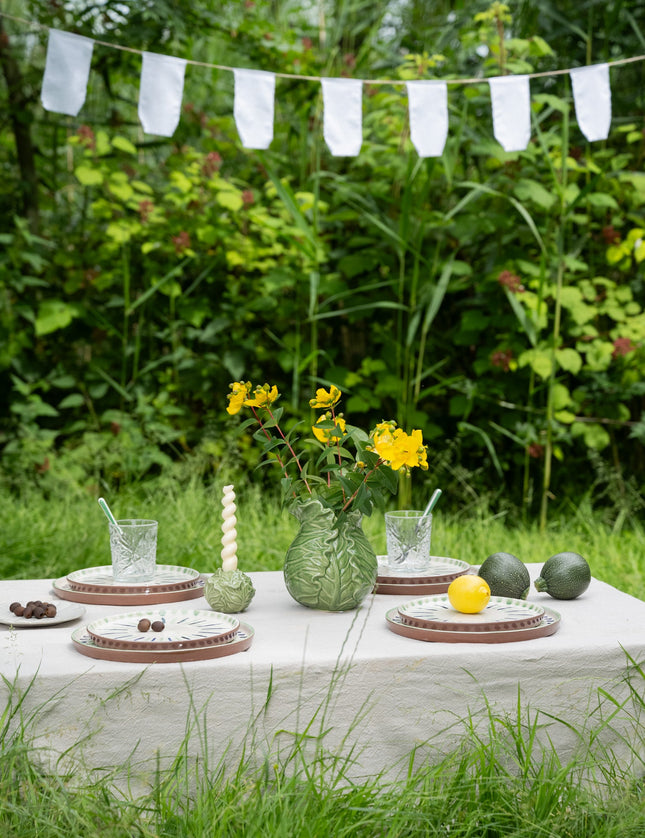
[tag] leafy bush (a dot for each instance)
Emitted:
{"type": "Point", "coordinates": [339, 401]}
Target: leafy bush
{"type": "Point", "coordinates": [491, 298]}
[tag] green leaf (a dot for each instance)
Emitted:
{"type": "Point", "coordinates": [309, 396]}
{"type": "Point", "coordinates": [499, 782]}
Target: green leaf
{"type": "Point", "coordinates": [119, 231]}
{"type": "Point", "coordinates": [525, 321]}
{"type": "Point", "coordinates": [88, 176]}
{"type": "Point", "coordinates": [54, 315]}
{"type": "Point", "coordinates": [598, 355]}
{"type": "Point", "coordinates": [594, 435]}
{"type": "Point", "coordinates": [554, 102]}
{"type": "Point", "coordinates": [180, 180]}
{"type": "Point", "coordinates": [539, 361]}
{"type": "Point", "coordinates": [288, 198]}
{"type": "Point", "coordinates": [103, 145]}
{"type": "Point", "coordinates": [569, 360]}
{"type": "Point", "coordinates": [615, 252]}
{"type": "Point", "coordinates": [142, 186]}
{"type": "Point", "coordinates": [532, 190]}
{"type": "Point", "coordinates": [564, 416]}
{"type": "Point", "coordinates": [639, 250]}
{"type": "Point", "coordinates": [73, 400]}
{"type": "Point", "coordinates": [64, 382]}
{"type": "Point", "coordinates": [121, 190]}
{"type": "Point", "coordinates": [124, 144]}
{"type": "Point", "coordinates": [602, 200]}
{"type": "Point", "coordinates": [560, 396]}
{"type": "Point", "coordinates": [207, 234]}
{"type": "Point", "coordinates": [230, 200]}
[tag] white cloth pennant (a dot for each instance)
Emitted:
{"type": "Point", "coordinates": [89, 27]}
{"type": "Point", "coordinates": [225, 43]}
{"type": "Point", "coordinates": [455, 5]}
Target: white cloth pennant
{"type": "Point", "coordinates": [511, 101]}
{"type": "Point", "coordinates": [343, 116]}
{"type": "Point", "coordinates": [160, 90]}
{"type": "Point", "coordinates": [67, 69]}
{"type": "Point", "coordinates": [592, 98]}
{"type": "Point", "coordinates": [428, 107]}
{"type": "Point", "coordinates": [254, 106]}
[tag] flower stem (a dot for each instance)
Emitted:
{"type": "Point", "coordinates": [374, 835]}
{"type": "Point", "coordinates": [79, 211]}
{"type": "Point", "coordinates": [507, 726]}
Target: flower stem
{"type": "Point", "coordinates": [348, 503]}
{"type": "Point", "coordinates": [340, 462]}
{"type": "Point", "coordinates": [287, 443]}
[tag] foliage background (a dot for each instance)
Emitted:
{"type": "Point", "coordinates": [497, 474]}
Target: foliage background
{"type": "Point", "coordinates": [493, 299]}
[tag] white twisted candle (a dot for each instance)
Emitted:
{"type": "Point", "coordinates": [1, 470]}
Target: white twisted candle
{"type": "Point", "coordinates": [229, 543]}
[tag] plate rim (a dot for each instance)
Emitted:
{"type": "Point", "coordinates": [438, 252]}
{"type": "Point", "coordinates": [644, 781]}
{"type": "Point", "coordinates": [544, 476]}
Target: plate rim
{"type": "Point", "coordinates": [129, 599]}
{"type": "Point", "coordinates": [190, 579]}
{"type": "Point", "coordinates": [492, 637]}
{"type": "Point", "coordinates": [461, 567]}
{"type": "Point", "coordinates": [458, 625]}
{"type": "Point", "coordinates": [157, 655]}
{"type": "Point", "coordinates": [410, 589]}
{"type": "Point", "coordinates": [158, 642]}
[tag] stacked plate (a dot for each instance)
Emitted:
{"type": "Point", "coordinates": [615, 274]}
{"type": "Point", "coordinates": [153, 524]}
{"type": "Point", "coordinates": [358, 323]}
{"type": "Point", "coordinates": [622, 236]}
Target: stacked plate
{"type": "Point", "coordinates": [171, 583]}
{"type": "Point", "coordinates": [187, 635]}
{"type": "Point", "coordinates": [502, 621]}
{"type": "Point", "coordinates": [435, 580]}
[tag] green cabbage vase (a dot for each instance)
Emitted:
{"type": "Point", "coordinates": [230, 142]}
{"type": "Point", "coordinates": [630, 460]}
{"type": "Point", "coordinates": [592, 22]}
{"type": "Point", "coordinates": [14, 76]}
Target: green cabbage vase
{"type": "Point", "coordinates": [330, 564]}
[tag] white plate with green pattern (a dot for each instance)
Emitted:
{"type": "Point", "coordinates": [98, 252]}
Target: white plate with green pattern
{"type": "Point", "coordinates": [501, 613]}
{"type": "Point", "coordinates": [100, 580]}
{"type": "Point", "coordinates": [182, 629]}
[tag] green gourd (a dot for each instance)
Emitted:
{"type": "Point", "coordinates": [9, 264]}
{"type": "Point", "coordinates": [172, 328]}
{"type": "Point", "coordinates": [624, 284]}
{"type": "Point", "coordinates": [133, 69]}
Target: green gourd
{"type": "Point", "coordinates": [564, 576]}
{"type": "Point", "coordinates": [506, 575]}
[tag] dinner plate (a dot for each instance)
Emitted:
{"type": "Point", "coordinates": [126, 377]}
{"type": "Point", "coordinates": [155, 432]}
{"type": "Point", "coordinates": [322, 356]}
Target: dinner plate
{"type": "Point", "coordinates": [440, 570]}
{"type": "Point", "coordinates": [100, 580]}
{"type": "Point", "coordinates": [436, 612]}
{"type": "Point", "coordinates": [548, 625]}
{"type": "Point", "coordinates": [62, 588]}
{"type": "Point", "coordinates": [240, 642]}
{"type": "Point", "coordinates": [183, 629]}
{"type": "Point", "coordinates": [65, 613]}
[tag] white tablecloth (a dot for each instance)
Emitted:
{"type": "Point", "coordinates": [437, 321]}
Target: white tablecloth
{"type": "Point", "coordinates": [344, 678]}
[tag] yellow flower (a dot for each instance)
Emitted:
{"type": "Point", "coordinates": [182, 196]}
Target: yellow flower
{"type": "Point", "coordinates": [326, 399]}
{"type": "Point", "coordinates": [324, 434]}
{"type": "Point", "coordinates": [383, 440]}
{"type": "Point", "coordinates": [407, 451]}
{"type": "Point", "coordinates": [237, 397]}
{"type": "Point", "coordinates": [263, 396]}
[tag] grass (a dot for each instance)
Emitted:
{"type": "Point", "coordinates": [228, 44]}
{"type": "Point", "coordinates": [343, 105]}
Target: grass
{"type": "Point", "coordinates": [46, 537]}
{"type": "Point", "coordinates": [495, 783]}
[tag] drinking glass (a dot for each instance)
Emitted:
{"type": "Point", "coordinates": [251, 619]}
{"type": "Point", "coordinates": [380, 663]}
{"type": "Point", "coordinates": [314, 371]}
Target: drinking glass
{"type": "Point", "coordinates": [408, 535]}
{"type": "Point", "coordinates": [133, 544]}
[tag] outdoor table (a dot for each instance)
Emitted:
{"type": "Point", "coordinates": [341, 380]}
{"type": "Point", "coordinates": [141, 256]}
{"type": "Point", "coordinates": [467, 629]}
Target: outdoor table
{"type": "Point", "coordinates": [347, 681]}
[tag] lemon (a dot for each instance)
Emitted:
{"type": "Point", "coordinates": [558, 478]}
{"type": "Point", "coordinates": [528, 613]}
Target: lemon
{"type": "Point", "coordinates": [469, 594]}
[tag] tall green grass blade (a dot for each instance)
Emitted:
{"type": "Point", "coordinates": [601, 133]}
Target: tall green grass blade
{"type": "Point", "coordinates": [487, 442]}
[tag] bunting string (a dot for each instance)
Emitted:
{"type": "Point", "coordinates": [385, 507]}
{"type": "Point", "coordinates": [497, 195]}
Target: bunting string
{"type": "Point", "coordinates": [296, 76]}
{"type": "Point", "coordinates": [68, 60]}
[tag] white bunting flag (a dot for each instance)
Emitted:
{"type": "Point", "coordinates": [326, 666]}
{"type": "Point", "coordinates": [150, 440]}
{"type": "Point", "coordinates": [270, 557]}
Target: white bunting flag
{"type": "Point", "coordinates": [160, 90]}
{"type": "Point", "coordinates": [253, 107]}
{"type": "Point", "coordinates": [511, 101]}
{"type": "Point", "coordinates": [343, 116]}
{"type": "Point", "coordinates": [428, 107]}
{"type": "Point", "coordinates": [67, 69]}
{"type": "Point", "coordinates": [592, 98]}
